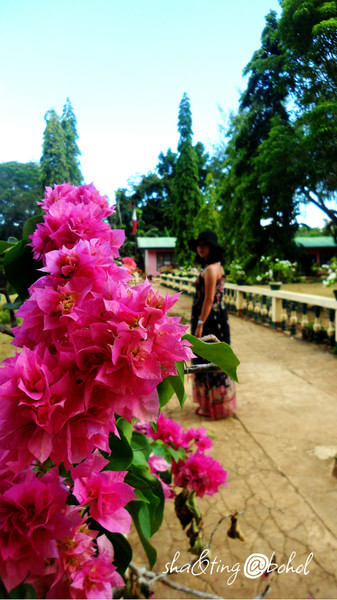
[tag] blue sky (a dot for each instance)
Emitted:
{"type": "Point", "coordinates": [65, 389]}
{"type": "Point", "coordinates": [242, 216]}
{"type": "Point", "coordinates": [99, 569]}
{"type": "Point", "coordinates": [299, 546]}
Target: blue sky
{"type": "Point", "coordinates": [125, 65]}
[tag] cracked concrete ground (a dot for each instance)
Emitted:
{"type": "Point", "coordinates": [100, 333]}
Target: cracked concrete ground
{"type": "Point", "coordinates": [278, 451]}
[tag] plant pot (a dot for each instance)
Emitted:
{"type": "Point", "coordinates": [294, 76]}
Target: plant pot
{"type": "Point", "coordinates": [275, 285]}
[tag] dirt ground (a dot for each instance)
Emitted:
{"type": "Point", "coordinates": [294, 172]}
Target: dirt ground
{"type": "Point", "coordinates": [279, 453]}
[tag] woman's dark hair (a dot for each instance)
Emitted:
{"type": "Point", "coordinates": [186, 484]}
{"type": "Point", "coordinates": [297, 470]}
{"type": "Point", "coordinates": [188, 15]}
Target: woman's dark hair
{"type": "Point", "coordinates": [215, 255]}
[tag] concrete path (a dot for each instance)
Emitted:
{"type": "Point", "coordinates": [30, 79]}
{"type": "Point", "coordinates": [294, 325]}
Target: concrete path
{"type": "Point", "coordinates": [278, 451]}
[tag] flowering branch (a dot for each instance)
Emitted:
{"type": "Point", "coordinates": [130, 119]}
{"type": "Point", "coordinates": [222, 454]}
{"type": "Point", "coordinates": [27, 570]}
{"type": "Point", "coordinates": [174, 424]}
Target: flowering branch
{"type": "Point", "coordinates": [94, 351]}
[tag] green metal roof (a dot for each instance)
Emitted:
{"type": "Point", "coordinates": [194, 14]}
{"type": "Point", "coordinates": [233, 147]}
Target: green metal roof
{"type": "Point", "coordinates": [321, 241]}
{"type": "Point", "coordinates": [156, 243]}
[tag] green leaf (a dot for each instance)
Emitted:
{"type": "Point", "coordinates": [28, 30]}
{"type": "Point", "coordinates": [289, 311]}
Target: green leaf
{"type": "Point", "coordinates": [121, 454]}
{"type": "Point", "coordinates": [122, 551]}
{"type": "Point", "coordinates": [21, 268]}
{"type": "Point", "coordinates": [165, 391]}
{"type": "Point", "coordinates": [14, 306]}
{"type": "Point", "coordinates": [24, 590]}
{"type": "Point", "coordinates": [12, 240]}
{"type": "Point", "coordinates": [178, 383]}
{"type": "Point", "coordinates": [122, 548]}
{"type": "Point", "coordinates": [219, 353]}
{"type": "Point", "coordinates": [173, 384]}
{"type": "Point", "coordinates": [141, 519]}
{"type": "Point", "coordinates": [124, 428]}
{"type": "Point", "coordinates": [175, 454]}
{"type": "Point", "coordinates": [141, 449]}
{"type": "Point", "coordinates": [139, 441]}
{"type": "Point", "coordinates": [138, 484]}
{"type": "Point", "coordinates": [152, 489]}
{"type": "Point", "coordinates": [191, 503]}
{"type": "Point", "coordinates": [139, 458]}
{"type": "Point", "coordinates": [5, 245]}
{"type": "Point", "coordinates": [30, 226]}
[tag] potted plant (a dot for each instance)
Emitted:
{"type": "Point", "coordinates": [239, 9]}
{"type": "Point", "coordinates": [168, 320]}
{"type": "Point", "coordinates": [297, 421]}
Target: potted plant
{"type": "Point", "coordinates": [276, 271]}
{"type": "Point", "coordinates": [237, 273]}
{"type": "Point", "coordinates": [331, 278]}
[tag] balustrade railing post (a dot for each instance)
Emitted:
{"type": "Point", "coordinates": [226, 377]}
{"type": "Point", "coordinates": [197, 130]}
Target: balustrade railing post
{"type": "Point", "coordinates": [233, 301]}
{"type": "Point", "coordinates": [239, 301]}
{"type": "Point", "coordinates": [304, 322]}
{"type": "Point", "coordinates": [257, 309]}
{"type": "Point", "coordinates": [284, 316]}
{"type": "Point", "coordinates": [270, 311]}
{"type": "Point", "coordinates": [244, 304]}
{"type": "Point", "coordinates": [264, 311]}
{"type": "Point", "coordinates": [317, 324]}
{"type": "Point", "coordinates": [293, 319]}
{"type": "Point", "coordinates": [331, 327]}
{"type": "Point", "coordinates": [250, 306]}
{"type": "Point", "coordinates": [276, 311]}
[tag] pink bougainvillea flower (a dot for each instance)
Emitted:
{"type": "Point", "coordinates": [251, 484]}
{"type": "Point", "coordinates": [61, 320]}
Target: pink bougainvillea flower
{"type": "Point", "coordinates": [104, 492]}
{"type": "Point", "coordinates": [50, 409]}
{"type": "Point", "coordinates": [97, 577]}
{"type": "Point", "coordinates": [129, 263]}
{"type": "Point", "coordinates": [158, 465]}
{"type": "Point", "coordinates": [200, 473]}
{"type": "Point", "coordinates": [111, 344]}
{"type": "Point", "coordinates": [66, 222]}
{"type": "Point", "coordinates": [199, 436]}
{"type": "Point", "coordinates": [168, 431]}
{"type": "Point", "coordinates": [33, 515]}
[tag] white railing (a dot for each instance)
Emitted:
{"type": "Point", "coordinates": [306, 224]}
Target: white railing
{"type": "Point", "coordinates": [309, 316]}
{"type": "Point", "coordinates": [183, 284]}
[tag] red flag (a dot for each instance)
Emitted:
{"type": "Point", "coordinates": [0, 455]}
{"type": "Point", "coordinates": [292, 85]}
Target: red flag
{"type": "Point", "coordinates": [134, 222]}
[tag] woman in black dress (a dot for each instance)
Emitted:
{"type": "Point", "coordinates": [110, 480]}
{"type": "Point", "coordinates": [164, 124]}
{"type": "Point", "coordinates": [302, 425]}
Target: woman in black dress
{"type": "Point", "coordinates": [213, 392]}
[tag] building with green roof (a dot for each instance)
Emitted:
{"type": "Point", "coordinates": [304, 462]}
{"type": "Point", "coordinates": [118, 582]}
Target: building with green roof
{"type": "Point", "coordinates": [158, 252]}
{"type": "Point", "coordinates": [318, 249]}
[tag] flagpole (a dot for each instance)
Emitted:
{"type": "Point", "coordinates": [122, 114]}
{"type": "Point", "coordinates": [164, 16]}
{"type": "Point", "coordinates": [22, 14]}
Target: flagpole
{"type": "Point", "coordinates": [134, 228]}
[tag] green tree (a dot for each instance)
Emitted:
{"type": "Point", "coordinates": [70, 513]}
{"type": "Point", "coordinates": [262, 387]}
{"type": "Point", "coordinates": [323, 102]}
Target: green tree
{"type": "Point", "coordinates": [188, 202]}
{"type": "Point", "coordinates": [258, 217]}
{"type": "Point", "coordinates": [19, 193]}
{"type": "Point", "coordinates": [155, 196]}
{"type": "Point", "coordinates": [209, 216]}
{"type": "Point", "coordinates": [150, 194]}
{"type": "Point", "coordinates": [59, 160]}
{"type": "Point", "coordinates": [122, 219]}
{"type": "Point", "coordinates": [308, 30]}
{"type": "Point", "coordinates": [203, 165]}
{"type": "Point", "coordinates": [188, 199]}
{"type": "Point", "coordinates": [54, 169]}
{"type": "Point", "coordinates": [68, 122]}
{"type": "Point", "coordinates": [184, 121]}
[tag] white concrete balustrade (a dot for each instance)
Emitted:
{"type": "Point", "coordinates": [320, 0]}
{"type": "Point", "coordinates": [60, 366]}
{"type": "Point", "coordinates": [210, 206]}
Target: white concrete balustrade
{"type": "Point", "coordinates": [293, 312]}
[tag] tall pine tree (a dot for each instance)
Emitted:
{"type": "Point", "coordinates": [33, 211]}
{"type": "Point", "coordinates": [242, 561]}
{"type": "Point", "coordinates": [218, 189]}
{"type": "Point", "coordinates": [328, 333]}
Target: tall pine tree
{"type": "Point", "coordinates": [59, 160]}
{"type": "Point", "coordinates": [68, 122]}
{"type": "Point", "coordinates": [53, 160]}
{"type": "Point", "coordinates": [188, 197]}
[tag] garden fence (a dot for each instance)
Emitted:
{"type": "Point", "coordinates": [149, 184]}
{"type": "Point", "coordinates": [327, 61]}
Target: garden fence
{"type": "Point", "coordinates": [310, 317]}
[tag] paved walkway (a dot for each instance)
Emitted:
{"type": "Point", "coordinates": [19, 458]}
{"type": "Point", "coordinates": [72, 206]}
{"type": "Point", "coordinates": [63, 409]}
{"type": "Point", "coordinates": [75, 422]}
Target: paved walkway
{"type": "Point", "coordinates": [278, 452]}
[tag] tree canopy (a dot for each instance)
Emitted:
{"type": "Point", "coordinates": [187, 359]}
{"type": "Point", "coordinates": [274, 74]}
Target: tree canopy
{"type": "Point", "coordinates": [277, 152]}
{"type": "Point", "coordinates": [59, 160]}
{"type": "Point", "coordinates": [187, 195]}
{"type": "Point", "coordinates": [19, 192]}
